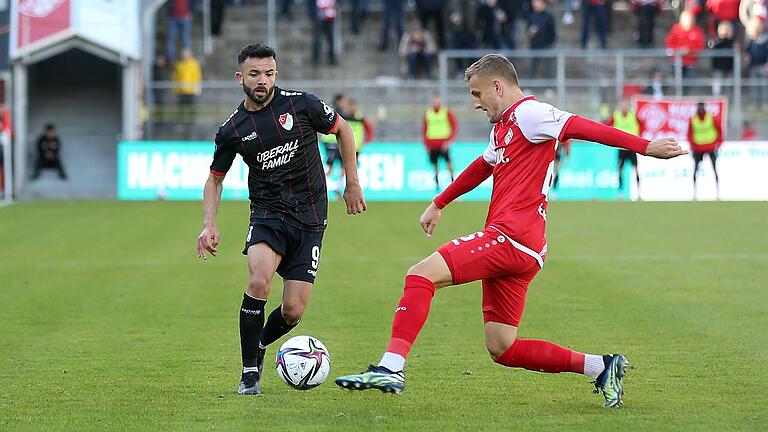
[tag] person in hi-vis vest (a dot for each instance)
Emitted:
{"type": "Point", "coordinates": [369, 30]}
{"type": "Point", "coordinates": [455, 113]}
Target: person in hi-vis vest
{"type": "Point", "coordinates": [625, 119]}
{"type": "Point", "coordinates": [705, 136]}
{"type": "Point", "coordinates": [332, 153]}
{"type": "Point", "coordinates": [362, 130]}
{"type": "Point", "coordinates": [438, 132]}
{"type": "Point", "coordinates": [361, 126]}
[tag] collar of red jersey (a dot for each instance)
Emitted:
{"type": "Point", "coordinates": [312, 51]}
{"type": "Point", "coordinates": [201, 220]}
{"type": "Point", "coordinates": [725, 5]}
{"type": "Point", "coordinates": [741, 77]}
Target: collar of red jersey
{"type": "Point", "coordinates": [507, 116]}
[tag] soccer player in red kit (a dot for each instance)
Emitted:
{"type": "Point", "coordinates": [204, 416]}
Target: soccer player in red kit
{"type": "Point", "coordinates": [510, 250]}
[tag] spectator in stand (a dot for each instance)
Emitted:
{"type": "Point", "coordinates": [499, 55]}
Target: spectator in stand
{"type": "Point", "coordinates": [685, 37]}
{"type": "Point", "coordinates": [656, 89]}
{"type": "Point", "coordinates": [48, 148]}
{"type": "Point", "coordinates": [438, 131]}
{"type": "Point", "coordinates": [325, 17]}
{"type": "Point", "coordinates": [756, 53]}
{"type": "Point", "coordinates": [181, 13]}
{"type": "Point", "coordinates": [187, 79]}
{"type": "Point", "coordinates": [513, 9]}
{"type": "Point", "coordinates": [160, 74]}
{"type": "Point", "coordinates": [693, 6]}
{"type": "Point", "coordinates": [705, 136]}
{"type": "Point", "coordinates": [432, 10]}
{"type": "Point", "coordinates": [599, 10]}
{"type": "Point", "coordinates": [646, 11]}
{"type": "Point", "coordinates": [217, 16]}
{"type": "Point", "coordinates": [418, 48]}
{"type": "Point", "coordinates": [393, 16]}
{"type": "Point", "coordinates": [462, 24]}
{"type": "Point", "coordinates": [747, 131]}
{"type": "Point", "coordinates": [490, 18]}
{"type": "Point", "coordinates": [750, 9]}
{"type": "Point", "coordinates": [359, 14]}
{"type": "Point", "coordinates": [722, 65]}
{"type": "Point", "coordinates": [722, 10]}
{"type": "Point", "coordinates": [631, 87]}
{"type": "Point", "coordinates": [542, 35]}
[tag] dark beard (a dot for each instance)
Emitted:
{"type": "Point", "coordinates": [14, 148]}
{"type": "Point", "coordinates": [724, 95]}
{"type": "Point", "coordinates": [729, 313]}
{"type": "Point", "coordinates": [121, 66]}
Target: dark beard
{"type": "Point", "coordinates": [249, 92]}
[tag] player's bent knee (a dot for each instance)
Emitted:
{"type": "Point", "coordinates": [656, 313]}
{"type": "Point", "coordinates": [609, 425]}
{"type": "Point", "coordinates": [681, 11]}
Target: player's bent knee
{"type": "Point", "coordinates": [496, 350]}
{"type": "Point", "coordinates": [259, 286]}
{"type": "Point", "coordinates": [292, 313]}
{"type": "Point", "coordinates": [433, 268]}
{"type": "Point", "coordinates": [497, 345]}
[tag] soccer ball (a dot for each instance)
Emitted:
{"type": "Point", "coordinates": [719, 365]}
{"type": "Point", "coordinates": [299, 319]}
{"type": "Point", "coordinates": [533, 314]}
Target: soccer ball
{"type": "Point", "coordinates": [303, 362]}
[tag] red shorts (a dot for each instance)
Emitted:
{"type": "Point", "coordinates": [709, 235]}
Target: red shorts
{"type": "Point", "coordinates": [504, 268]}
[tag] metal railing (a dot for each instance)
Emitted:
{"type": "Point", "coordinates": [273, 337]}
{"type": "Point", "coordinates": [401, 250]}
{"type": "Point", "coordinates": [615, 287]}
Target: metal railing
{"type": "Point", "coordinates": [582, 81]}
{"type": "Point", "coordinates": [612, 69]}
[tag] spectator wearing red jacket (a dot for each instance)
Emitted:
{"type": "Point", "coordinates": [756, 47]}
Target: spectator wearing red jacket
{"type": "Point", "coordinates": [686, 38]}
{"type": "Point", "coordinates": [724, 10]}
{"type": "Point", "coordinates": [748, 132]}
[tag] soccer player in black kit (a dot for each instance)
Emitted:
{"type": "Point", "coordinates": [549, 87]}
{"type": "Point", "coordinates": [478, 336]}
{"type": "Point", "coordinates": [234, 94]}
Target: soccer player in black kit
{"type": "Point", "coordinates": [275, 132]}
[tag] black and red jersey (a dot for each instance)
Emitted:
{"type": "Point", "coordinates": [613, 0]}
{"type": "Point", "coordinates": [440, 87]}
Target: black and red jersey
{"type": "Point", "coordinates": [286, 179]}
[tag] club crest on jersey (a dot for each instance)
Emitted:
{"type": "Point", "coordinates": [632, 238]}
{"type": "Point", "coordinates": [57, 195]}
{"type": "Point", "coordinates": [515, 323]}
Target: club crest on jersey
{"type": "Point", "coordinates": [286, 121]}
{"type": "Point", "coordinates": [508, 136]}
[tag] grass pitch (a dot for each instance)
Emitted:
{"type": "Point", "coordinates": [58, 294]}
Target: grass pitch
{"type": "Point", "coordinates": [108, 322]}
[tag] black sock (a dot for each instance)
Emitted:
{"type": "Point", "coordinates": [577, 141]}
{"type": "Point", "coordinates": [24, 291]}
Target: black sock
{"type": "Point", "coordinates": [251, 324]}
{"type": "Point", "coordinates": [275, 327]}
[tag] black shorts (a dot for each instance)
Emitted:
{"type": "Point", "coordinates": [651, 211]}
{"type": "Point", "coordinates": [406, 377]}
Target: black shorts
{"type": "Point", "coordinates": [699, 156]}
{"type": "Point", "coordinates": [299, 249]}
{"type": "Point", "coordinates": [332, 154]}
{"type": "Point", "coordinates": [437, 153]}
{"type": "Point", "coordinates": [626, 155]}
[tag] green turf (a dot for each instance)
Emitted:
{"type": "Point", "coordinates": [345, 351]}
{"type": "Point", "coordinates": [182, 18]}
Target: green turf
{"type": "Point", "coordinates": [107, 321]}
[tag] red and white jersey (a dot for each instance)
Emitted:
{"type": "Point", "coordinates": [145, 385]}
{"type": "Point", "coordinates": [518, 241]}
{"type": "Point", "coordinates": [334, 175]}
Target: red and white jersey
{"type": "Point", "coordinates": [522, 150]}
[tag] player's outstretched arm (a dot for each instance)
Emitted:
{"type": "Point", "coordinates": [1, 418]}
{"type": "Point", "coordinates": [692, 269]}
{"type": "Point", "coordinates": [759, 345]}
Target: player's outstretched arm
{"type": "Point", "coordinates": [353, 193]}
{"type": "Point", "coordinates": [209, 239]}
{"type": "Point", "coordinates": [585, 129]}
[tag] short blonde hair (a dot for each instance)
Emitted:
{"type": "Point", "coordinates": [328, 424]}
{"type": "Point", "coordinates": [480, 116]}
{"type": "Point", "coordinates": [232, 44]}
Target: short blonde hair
{"type": "Point", "coordinates": [493, 65]}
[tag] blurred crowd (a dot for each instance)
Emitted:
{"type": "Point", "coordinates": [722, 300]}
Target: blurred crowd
{"type": "Point", "coordinates": [501, 24]}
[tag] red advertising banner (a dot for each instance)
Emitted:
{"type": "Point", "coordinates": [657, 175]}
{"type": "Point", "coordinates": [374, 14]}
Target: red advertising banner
{"type": "Point", "coordinates": [670, 117]}
{"type": "Point", "coordinates": [39, 19]}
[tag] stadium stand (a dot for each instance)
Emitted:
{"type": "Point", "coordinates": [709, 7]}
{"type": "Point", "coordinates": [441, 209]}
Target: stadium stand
{"type": "Point", "coordinates": [377, 79]}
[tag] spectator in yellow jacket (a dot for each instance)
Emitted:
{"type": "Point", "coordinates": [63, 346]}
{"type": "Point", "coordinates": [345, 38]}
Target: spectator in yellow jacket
{"type": "Point", "coordinates": [187, 79]}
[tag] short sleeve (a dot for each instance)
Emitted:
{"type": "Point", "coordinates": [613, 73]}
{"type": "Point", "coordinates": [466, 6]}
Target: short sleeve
{"type": "Point", "coordinates": [489, 155]}
{"type": "Point", "coordinates": [223, 156]}
{"type": "Point", "coordinates": [540, 122]}
{"type": "Point", "coordinates": [321, 115]}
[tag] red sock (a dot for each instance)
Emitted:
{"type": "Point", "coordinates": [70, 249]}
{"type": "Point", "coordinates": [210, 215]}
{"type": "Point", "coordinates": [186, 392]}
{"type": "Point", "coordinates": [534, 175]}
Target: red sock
{"type": "Point", "coordinates": [411, 313]}
{"type": "Point", "coordinates": [542, 356]}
